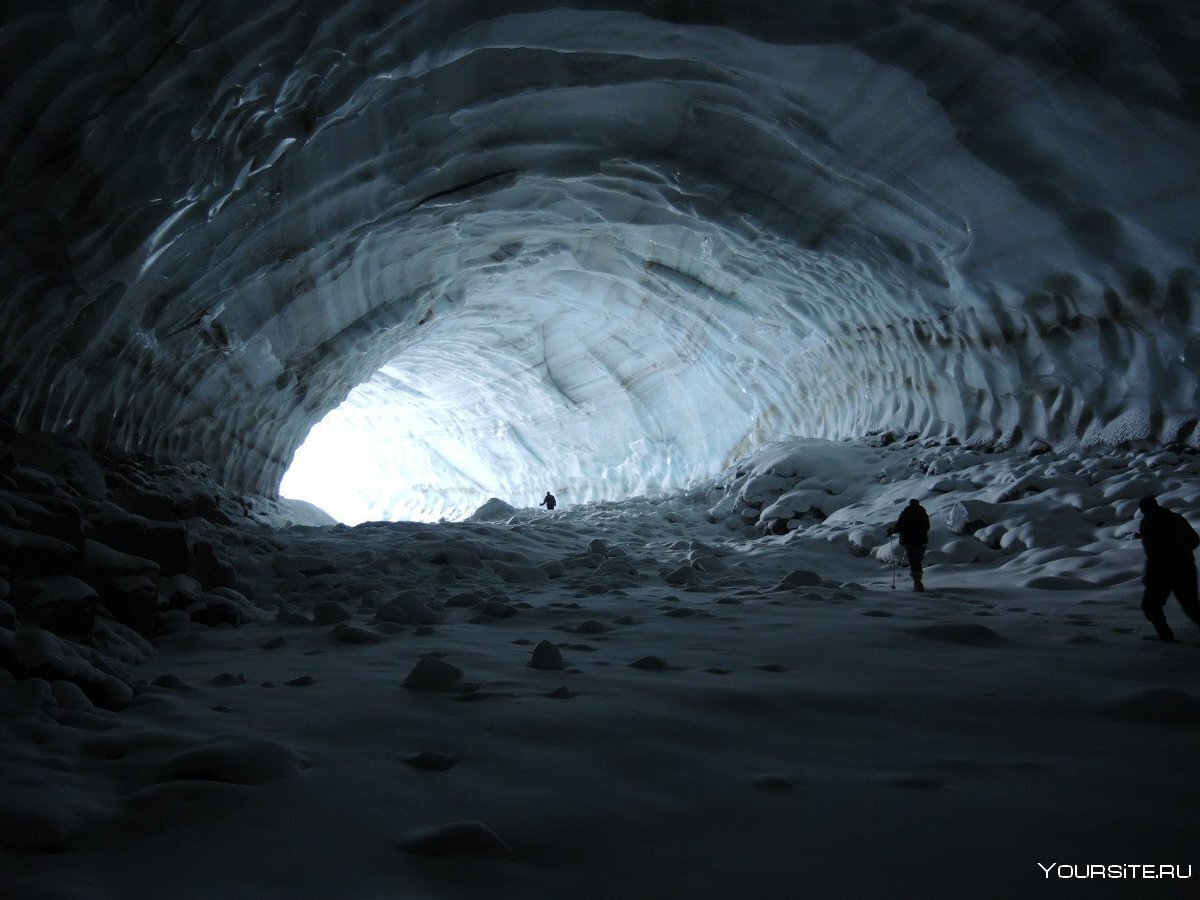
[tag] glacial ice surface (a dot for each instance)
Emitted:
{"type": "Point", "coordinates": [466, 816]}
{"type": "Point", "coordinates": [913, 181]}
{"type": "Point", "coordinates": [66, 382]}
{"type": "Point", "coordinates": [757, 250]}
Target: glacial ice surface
{"type": "Point", "coordinates": [595, 249]}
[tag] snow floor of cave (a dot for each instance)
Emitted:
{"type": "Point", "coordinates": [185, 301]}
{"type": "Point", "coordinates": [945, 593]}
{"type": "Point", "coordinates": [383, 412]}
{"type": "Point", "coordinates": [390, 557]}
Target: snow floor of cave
{"type": "Point", "coordinates": [838, 739]}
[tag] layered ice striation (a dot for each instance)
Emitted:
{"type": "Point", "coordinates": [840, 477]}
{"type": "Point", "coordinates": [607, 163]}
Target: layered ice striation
{"type": "Point", "coordinates": [601, 248]}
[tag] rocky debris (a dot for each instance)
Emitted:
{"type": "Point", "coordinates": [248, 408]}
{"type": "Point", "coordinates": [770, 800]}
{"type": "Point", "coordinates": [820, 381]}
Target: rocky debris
{"type": "Point", "coordinates": [456, 556]}
{"type": "Point", "coordinates": [33, 652]}
{"type": "Point", "coordinates": [356, 634]}
{"type": "Point", "coordinates": [516, 574]}
{"type": "Point", "coordinates": [408, 609]}
{"type": "Point", "coordinates": [307, 566]}
{"type": "Point", "coordinates": [94, 561]}
{"type": "Point", "coordinates": [619, 567]}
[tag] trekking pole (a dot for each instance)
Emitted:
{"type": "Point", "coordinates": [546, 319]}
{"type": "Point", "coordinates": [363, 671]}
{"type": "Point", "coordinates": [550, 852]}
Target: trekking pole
{"type": "Point", "coordinates": [892, 545]}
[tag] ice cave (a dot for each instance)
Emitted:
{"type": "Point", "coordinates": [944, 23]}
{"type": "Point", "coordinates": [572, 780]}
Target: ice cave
{"type": "Point", "coordinates": [305, 305]}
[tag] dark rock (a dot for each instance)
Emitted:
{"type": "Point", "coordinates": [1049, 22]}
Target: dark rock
{"type": "Point", "coordinates": [650, 664]}
{"type": "Point", "coordinates": [682, 576]}
{"type": "Point", "coordinates": [33, 481]}
{"type": "Point", "coordinates": [464, 601]}
{"type": "Point", "coordinates": [215, 611]}
{"type": "Point", "coordinates": [456, 838]}
{"type": "Point", "coordinates": [953, 633]}
{"type": "Point", "coordinates": [127, 585]}
{"type": "Point", "coordinates": [1158, 706]}
{"type": "Point", "coordinates": [408, 609]}
{"type": "Point", "coordinates": [164, 542]}
{"type": "Point", "coordinates": [120, 642]}
{"type": "Point", "coordinates": [62, 604]}
{"type": "Point", "coordinates": [57, 517]}
{"type": "Point", "coordinates": [433, 674]}
{"type": "Point", "coordinates": [800, 578]}
{"type": "Point", "coordinates": [64, 457]}
{"type": "Point", "coordinates": [474, 696]}
{"type": "Point", "coordinates": [209, 569]}
{"type": "Point", "coordinates": [431, 761]}
{"type": "Point", "coordinates": [38, 653]}
{"type": "Point", "coordinates": [356, 634]}
{"type": "Point", "coordinates": [546, 656]}
{"type": "Point", "coordinates": [27, 554]}
{"type": "Point", "coordinates": [234, 759]}
{"type": "Point", "coordinates": [497, 609]}
{"type": "Point", "coordinates": [330, 612]}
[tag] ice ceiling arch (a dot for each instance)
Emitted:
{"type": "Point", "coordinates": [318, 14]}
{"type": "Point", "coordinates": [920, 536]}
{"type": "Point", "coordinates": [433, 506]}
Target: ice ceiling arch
{"type": "Point", "coordinates": [623, 239]}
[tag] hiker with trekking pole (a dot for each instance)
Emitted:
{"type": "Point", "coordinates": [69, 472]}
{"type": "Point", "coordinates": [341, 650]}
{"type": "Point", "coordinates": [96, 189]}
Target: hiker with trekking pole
{"type": "Point", "coordinates": [912, 527]}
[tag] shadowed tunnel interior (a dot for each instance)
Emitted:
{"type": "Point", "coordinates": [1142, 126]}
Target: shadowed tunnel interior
{"type": "Point", "coordinates": [599, 246]}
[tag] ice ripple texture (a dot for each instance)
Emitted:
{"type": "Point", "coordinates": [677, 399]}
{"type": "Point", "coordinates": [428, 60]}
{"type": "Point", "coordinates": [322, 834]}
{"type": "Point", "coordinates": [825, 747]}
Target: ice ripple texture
{"type": "Point", "coordinates": [601, 248]}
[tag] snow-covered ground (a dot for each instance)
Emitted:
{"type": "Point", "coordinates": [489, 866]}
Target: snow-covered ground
{"type": "Point", "coordinates": [715, 710]}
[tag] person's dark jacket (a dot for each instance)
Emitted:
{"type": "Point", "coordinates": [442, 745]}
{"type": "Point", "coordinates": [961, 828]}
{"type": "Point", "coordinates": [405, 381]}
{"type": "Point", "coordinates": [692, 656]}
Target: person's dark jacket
{"type": "Point", "coordinates": [913, 525]}
{"type": "Point", "coordinates": [1168, 537]}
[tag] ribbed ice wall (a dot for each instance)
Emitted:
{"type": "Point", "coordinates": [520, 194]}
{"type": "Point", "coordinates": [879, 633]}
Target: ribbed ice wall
{"type": "Point", "coordinates": [631, 239]}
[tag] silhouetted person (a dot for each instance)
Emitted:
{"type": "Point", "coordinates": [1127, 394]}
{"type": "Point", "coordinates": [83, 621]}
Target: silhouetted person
{"type": "Point", "coordinates": [913, 528]}
{"type": "Point", "coordinates": [548, 501]}
{"type": "Point", "coordinates": [1169, 541]}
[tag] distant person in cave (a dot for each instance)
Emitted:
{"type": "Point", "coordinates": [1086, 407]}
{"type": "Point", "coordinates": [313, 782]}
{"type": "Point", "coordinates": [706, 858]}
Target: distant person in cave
{"type": "Point", "coordinates": [1170, 543]}
{"type": "Point", "coordinates": [913, 528]}
{"type": "Point", "coordinates": [548, 501]}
